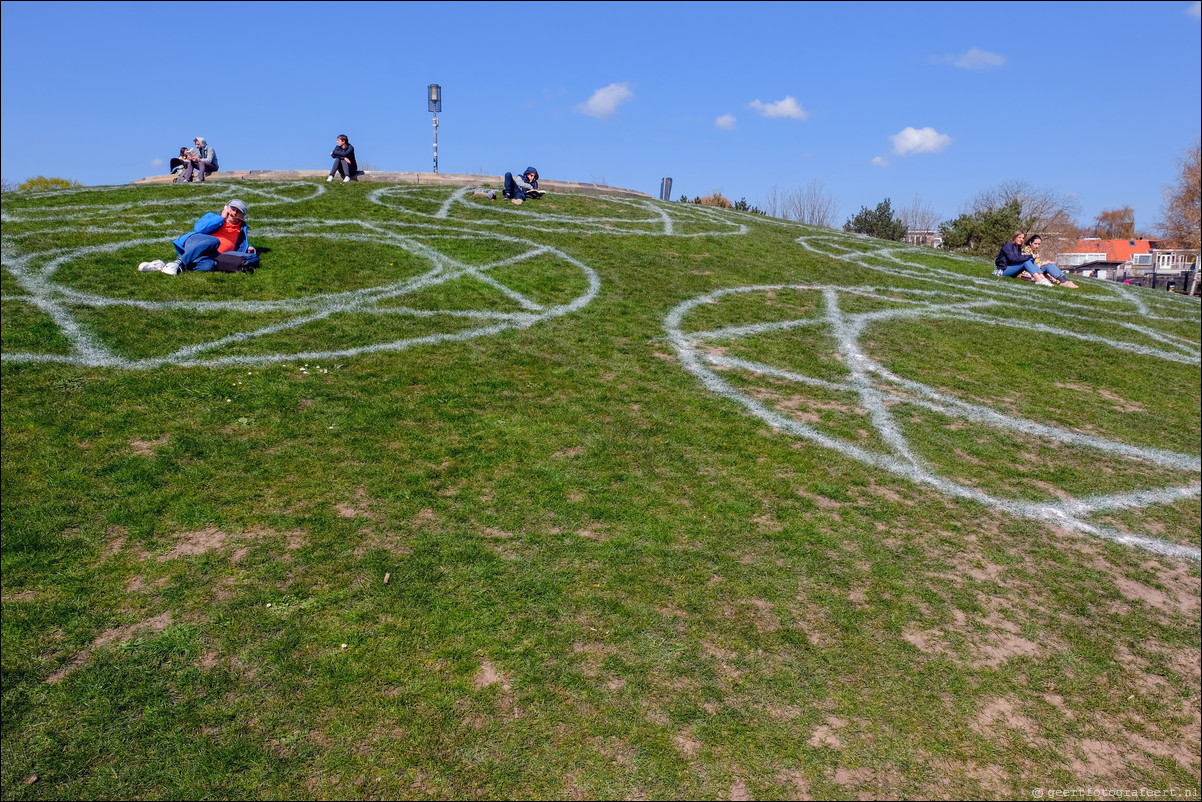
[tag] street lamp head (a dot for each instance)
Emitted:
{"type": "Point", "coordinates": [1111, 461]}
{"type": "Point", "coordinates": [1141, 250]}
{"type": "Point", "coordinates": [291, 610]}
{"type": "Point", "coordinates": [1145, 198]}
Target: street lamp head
{"type": "Point", "coordinates": [434, 97]}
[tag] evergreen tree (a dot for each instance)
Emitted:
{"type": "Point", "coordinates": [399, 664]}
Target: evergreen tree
{"type": "Point", "coordinates": [879, 223]}
{"type": "Point", "coordinates": [982, 232]}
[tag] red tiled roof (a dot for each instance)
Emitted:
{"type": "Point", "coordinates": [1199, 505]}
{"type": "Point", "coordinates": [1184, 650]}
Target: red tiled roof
{"type": "Point", "coordinates": [1115, 250]}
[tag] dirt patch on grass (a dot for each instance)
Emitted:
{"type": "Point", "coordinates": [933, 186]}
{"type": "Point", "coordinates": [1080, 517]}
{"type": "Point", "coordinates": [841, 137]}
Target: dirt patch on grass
{"type": "Point", "coordinates": [117, 635]}
{"type": "Point", "coordinates": [489, 675]}
{"type": "Point", "coordinates": [211, 539]}
{"type": "Point", "coordinates": [826, 734]}
{"type": "Point", "coordinates": [985, 642]}
{"type": "Point", "coordinates": [147, 448]}
{"type": "Point", "coordinates": [1002, 713]}
{"type": "Point", "coordinates": [357, 508]}
{"type": "Point", "coordinates": [116, 541]}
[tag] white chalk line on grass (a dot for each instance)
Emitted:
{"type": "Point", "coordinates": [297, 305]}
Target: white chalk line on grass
{"type": "Point", "coordinates": [659, 221]}
{"type": "Point", "coordinates": [1060, 299]}
{"type": "Point", "coordinates": [55, 299]}
{"type": "Point", "coordinates": [881, 395]}
{"type": "Point", "coordinates": [418, 207]}
{"type": "Point", "coordinates": [204, 195]}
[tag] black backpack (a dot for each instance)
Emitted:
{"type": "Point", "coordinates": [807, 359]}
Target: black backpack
{"type": "Point", "coordinates": [236, 262]}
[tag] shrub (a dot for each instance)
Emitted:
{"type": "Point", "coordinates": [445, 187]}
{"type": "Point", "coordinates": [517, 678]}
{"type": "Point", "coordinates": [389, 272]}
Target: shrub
{"type": "Point", "coordinates": [42, 182]}
{"type": "Point", "coordinates": [715, 199]}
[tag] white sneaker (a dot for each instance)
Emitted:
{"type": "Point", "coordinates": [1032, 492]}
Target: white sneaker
{"type": "Point", "coordinates": [151, 267]}
{"type": "Point", "coordinates": [172, 268]}
{"type": "Point", "coordinates": [329, 178]}
{"type": "Point", "coordinates": [346, 179]}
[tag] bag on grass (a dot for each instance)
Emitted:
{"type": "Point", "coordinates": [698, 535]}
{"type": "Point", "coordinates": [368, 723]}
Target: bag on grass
{"type": "Point", "coordinates": [236, 262]}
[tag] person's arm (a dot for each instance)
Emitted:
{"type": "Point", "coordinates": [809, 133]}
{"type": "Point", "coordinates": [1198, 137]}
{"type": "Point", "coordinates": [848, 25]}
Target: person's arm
{"type": "Point", "coordinates": [349, 154]}
{"type": "Point", "coordinates": [209, 223]}
{"type": "Point", "coordinates": [1014, 256]}
{"type": "Point", "coordinates": [521, 181]}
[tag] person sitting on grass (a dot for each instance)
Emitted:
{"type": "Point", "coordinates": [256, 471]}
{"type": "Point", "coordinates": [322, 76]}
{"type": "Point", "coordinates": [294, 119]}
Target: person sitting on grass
{"type": "Point", "coordinates": [216, 242]}
{"type": "Point", "coordinates": [344, 160]}
{"type": "Point", "coordinates": [1011, 261]}
{"type": "Point", "coordinates": [522, 187]}
{"type": "Point", "coordinates": [1048, 268]}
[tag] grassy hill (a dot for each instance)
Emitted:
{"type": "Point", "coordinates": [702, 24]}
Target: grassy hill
{"type": "Point", "coordinates": [587, 498]}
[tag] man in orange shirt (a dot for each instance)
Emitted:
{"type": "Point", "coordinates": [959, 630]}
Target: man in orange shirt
{"type": "Point", "coordinates": [216, 242]}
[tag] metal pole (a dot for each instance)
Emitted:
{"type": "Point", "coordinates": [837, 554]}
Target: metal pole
{"type": "Point", "coordinates": [436, 143]}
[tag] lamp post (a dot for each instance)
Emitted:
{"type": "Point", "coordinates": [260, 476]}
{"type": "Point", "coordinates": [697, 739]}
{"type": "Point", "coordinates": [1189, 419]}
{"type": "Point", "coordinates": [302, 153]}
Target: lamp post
{"type": "Point", "coordinates": [434, 102]}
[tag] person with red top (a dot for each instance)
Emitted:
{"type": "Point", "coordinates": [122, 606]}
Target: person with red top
{"type": "Point", "coordinates": [216, 242]}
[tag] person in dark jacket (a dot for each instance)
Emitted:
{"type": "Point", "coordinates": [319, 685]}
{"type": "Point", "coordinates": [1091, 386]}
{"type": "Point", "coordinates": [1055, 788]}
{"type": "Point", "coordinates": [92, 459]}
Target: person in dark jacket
{"type": "Point", "coordinates": [344, 160]}
{"type": "Point", "coordinates": [522, 187]}
{"type": "Point", "coordinates": [1011, 261]}
{"type": "Point", "coordinates": [177, 165]}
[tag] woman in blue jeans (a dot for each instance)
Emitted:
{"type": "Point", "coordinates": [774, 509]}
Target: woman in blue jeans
{"type": "Point", "coordinates": [1011, 261]}
{"type": "Point", "coordinates": [1049, 269]}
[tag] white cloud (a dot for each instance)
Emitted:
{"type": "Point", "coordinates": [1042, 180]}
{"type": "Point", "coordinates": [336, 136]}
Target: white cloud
{"type": "Point", "coordinates": [605, 101]}
{"type": "Point", "coordinates": [1195, 9]}
{"type": "Point", "coordinates": [973, 59]}
{"type": "Point", "coordinates": [880, 161]}
{"type": "Point", "coordinates": [782, 108]}
{"type": "Point", "coordinates": [156, 162]}
{"type": "Point", "coordinates": [726, 122]}
{"type": "Point", "coordinates": [909, 141]}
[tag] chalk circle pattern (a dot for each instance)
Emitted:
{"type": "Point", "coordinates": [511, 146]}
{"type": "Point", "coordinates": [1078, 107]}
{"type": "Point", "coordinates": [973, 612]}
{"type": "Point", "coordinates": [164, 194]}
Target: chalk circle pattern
{"type": "Point", "coordinates": [882, 394]}
{"type": "Point", "coordinates": [629, 216]}
{"type": "Point", "coordinates": [38, 276]}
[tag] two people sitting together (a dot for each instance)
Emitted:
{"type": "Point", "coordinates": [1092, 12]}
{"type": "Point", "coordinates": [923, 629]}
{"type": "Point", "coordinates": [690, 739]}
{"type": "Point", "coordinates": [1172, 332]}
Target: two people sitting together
{"type": "Point", "coordinates": [200, 160]}
{"type": "Point", "coordinates": [1017, 259]}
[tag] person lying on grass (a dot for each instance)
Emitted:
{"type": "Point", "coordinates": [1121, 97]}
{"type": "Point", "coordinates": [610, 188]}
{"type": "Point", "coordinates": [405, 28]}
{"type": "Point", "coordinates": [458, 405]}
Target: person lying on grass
{"type": "Point", "coordinates": [522, 187]}
{"type": "Point", "coordinates": [216, 242]}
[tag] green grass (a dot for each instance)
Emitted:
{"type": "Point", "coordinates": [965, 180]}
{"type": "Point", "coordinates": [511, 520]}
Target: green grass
{"type": "Point", "coordinates": [604, 580]}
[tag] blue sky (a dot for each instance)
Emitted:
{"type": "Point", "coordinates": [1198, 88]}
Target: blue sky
{"type": "Point", "coordinates": [875, 100]}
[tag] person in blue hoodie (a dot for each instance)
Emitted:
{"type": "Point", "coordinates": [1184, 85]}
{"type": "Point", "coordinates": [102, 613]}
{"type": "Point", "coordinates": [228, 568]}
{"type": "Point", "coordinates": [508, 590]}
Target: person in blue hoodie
{"type": "Point", "coordinates": [216, 242]}
{"type": "Point", "coordinates": [522, 187]}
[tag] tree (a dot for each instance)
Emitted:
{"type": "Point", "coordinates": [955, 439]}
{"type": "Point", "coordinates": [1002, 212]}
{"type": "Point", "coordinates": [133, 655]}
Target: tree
{"type": "Point", "coordinates": [1115, 223]}
{"type": "Point", "coordinates": [1182, 213]}
{"type": "Point", "coordinates": [918, 216]}
{"type": "Point", "coordinates": [810, 204]}
{"type": "Point", "coordinates": [741, 205]}
{"type": "Point", "coordinates": [982, 233]}
{"type": "Point", "coordinates": [878, 223]}
{"type": "Point", "coordinates": [1013, 205]}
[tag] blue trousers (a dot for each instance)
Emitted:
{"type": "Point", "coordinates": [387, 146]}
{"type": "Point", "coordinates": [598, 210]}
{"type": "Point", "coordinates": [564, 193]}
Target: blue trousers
{"type": "Point", "coordinates": [1014, 270]}
{"type": "Point", "coordinates": [513, 189]}
{"type": "Point", "coordinates": [1051, 269]}
{"type": "Point", "coordinates": [199, 252]}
